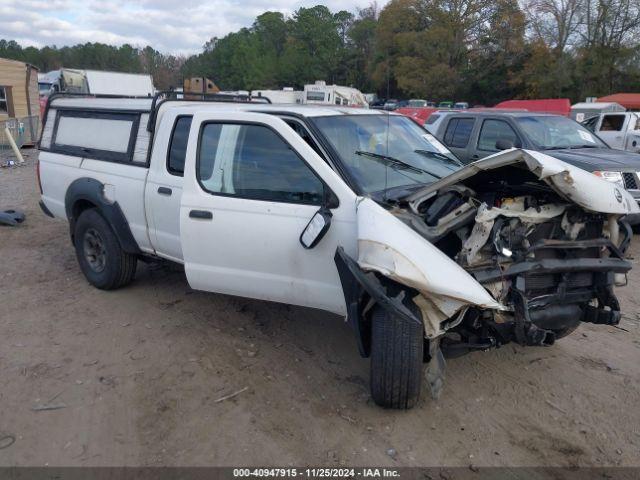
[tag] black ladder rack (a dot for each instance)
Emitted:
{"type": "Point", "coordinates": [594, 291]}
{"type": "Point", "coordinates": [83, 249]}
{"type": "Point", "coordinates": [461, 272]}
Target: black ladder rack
{"type": "Point", "coordinates": [173, 96]}
{"type": "Point", "coordinates": [157, 100]}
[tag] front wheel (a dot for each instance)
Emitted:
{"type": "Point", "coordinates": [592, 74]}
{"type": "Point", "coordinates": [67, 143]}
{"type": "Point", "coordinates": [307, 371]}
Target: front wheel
{"type": "Point", "coordinates": [101, 258]}
{"type": "Point", "coordinates": [396, 360]}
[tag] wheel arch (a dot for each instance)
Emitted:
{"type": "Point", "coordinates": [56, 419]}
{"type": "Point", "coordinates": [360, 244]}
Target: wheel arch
{"type": "Point", "coordinates": [360, 289]}
{"type": "Point", "coordinates": [85, 193]}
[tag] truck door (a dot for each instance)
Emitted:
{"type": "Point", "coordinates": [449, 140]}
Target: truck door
{"type": "Point", "coordinates": [612, 129]}
{"type": "Point", "coordinates": [164, 185]}
{"type": "Point", "coordinates": [632, 141]}
{"type": "Point", "coordinates": [251, 186]}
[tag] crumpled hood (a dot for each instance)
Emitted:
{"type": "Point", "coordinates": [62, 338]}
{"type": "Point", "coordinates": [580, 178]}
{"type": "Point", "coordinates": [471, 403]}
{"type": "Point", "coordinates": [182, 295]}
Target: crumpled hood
{"type": "Point", "coordinates": [572, 183]}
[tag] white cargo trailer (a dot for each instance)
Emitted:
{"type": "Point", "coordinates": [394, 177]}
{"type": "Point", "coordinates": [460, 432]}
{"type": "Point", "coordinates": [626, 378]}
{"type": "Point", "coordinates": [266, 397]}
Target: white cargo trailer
{"type": "Point", "coordinates": [116, 83]}
{"type": "Point", "coordinates": [96, 82]}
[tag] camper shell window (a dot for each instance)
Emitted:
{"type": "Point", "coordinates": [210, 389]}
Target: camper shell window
{"type": "Point", "coordinates": [100, 135]}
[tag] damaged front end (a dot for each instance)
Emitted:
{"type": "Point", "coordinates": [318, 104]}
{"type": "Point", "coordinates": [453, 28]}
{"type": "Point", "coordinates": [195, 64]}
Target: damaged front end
{"type": "Point", "coordinates": [518, 247]}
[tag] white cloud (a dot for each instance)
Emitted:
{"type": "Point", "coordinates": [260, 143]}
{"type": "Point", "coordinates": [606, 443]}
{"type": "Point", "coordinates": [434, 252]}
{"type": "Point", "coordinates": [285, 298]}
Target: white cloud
{"type": "Point", "coordinates": [170, 26]}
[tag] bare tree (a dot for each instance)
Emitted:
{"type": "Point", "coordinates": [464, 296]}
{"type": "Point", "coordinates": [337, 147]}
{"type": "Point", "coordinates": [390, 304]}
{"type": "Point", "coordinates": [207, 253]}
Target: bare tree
{"type": "Point", "coordinates": [556, 22]}
{"type": "Point", "coordinates": [610, 24]}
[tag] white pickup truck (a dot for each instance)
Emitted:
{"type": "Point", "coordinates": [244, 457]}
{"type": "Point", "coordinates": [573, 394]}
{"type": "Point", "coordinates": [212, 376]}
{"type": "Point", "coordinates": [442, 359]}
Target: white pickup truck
{"type": "Point", "coordinates": [620, 130]}
{"type": "Point", "coordinates": [353, 211]}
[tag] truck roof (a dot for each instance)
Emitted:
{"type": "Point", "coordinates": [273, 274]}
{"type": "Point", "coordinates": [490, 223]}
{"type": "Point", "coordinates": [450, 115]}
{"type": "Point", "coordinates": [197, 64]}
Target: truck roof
{"type": "Point", "coordinates": [144, 104]}
{"type": "Point", "coordinates": [501, 113]}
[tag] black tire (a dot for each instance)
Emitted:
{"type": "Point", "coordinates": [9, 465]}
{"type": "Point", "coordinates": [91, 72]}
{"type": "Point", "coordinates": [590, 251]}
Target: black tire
{"type": "Point", "coordinates": [396, 360]}
{"type": "Point", "coordinates": [101, 258]}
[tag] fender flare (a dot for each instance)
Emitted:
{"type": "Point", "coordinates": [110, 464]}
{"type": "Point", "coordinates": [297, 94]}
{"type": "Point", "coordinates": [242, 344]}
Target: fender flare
{"type": "Point", "coordinates": [92, 191]}
{"type": "Point", "coordinates": [358, 288]}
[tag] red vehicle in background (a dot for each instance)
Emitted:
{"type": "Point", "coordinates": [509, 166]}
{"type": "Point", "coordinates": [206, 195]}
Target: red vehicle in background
{"type": "Point", "coordinates": [417, 114]}
{"type": "Point", "coordinates": [42, 100]}
{"type": "Point", "coordinates": [557, 106]}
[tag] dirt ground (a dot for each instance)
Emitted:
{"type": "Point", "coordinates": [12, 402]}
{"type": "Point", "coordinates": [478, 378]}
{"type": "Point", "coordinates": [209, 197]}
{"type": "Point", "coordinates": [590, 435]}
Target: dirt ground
{"type": "Point", "coordinates": [138, 374]}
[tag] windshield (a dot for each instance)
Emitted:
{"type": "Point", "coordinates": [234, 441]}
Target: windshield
{"type": "Point", "coordinates": [386, 151]}
{"type": "Point", "coordinates": [550, 133]}
{"type": "Point", "coordinates": [417, 103]}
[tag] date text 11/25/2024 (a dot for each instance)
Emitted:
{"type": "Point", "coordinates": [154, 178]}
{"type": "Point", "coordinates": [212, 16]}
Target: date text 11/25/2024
{"type": "Point", "coordinates": [315, 472]}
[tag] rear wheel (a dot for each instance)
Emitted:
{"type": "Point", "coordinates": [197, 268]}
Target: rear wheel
{"type": "Point", "coordinates": [101, 258]}
{"type": "Point", "coordinates": [396, 360]}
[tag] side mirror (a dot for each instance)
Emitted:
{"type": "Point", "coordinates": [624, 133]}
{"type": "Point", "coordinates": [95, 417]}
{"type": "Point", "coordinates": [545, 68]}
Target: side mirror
{"type": "Point", "coordinates": [316, 228]}
{"type": "Point", "coordinates": [504, 144]}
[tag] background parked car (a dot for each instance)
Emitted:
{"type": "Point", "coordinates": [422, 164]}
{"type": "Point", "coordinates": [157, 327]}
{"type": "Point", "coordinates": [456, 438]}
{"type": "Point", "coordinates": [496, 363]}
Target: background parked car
{"type": "Point", "coordinates": [461, 105]}
{"type": "Point", "coordinates": [433, 120]}
{"type": "Point", "coordinates": [618, 130]}
{"type": "Point", "coordinates": [378, 104]}
{"type": "Point", "coordinates": [585, 110]}
{"type": "Point", "coordinates": [472, 135]}
{"type": "Point", "coordinates": [391, 104]}
{"type": "Point", "coordinates": [446, 104]}
{"type": "Point", "coordinates": [418, 103]}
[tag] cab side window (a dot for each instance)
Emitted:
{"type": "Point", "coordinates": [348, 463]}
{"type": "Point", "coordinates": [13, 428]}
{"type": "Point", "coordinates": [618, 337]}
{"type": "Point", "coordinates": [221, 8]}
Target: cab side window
{"type": "Point", "coordinates": [253, 162]}
{"type": "Point", "coordinates": [494, 130]}
{"type": "Point", "coordinates": [458, 132]}
{"type": "Point", "coordinates": [178, 145]}
{"type": "Point", "coordinates": [612, 123]}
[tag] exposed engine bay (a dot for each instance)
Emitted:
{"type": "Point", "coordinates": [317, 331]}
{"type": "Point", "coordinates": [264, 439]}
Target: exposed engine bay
{"type": "Point", "coordinates": [549, 262]}
{"type": "Point", "coordinates": [519, 248]}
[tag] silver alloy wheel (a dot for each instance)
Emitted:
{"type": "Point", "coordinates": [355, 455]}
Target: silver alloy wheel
{"type": "Point", "coordinates": [94, 250]}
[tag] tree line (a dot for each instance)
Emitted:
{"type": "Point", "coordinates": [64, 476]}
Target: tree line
{"type": "Point", "coordinates": [165, 69]}
{"type": "Point", "coordinates": [481, 51]}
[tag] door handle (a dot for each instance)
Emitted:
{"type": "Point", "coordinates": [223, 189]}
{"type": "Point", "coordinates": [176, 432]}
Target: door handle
{"type": "Point", "coordinates": [164, 191]}
{"type": "Point", "coordinates": [201, 214]}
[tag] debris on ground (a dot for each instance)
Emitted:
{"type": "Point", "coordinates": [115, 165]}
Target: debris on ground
{"type": "Point", "coordinates": [6, 441]}
{"type": "Point", "coordinates": [11, 217]}
{"type": "Point", "coordinates": [231, 395]}
{"type": "Point", "coordinates": [56, 406]}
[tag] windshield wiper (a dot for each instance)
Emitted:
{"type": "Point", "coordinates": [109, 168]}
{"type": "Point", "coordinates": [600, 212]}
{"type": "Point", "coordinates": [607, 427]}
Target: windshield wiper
{"type": "Point", "coordinates": [395, 162]}
{"type": "Point", "coordinates": [439, 156]}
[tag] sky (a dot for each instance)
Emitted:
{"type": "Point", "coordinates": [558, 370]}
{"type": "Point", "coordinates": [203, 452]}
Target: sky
{"type": "Point", "coordinates": [170, 26]}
